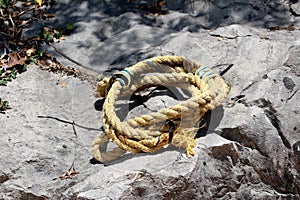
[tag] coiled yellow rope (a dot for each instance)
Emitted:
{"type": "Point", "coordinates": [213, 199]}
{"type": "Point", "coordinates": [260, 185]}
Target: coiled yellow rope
{"type": "Point", "coordinates": [177, 124]}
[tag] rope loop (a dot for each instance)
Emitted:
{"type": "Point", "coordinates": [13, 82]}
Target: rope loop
{"type": "Point", "coordinates": [123, 77]}
{"type": "Point", "coordinates": [177, 124]}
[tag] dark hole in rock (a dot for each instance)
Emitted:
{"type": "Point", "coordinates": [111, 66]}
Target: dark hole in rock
{"type": "Point", "coordinates": [265, 76]}
{"type": "Point", "coordinates": [3, 177]}
{"type": "Point", "coordinates": [255, 7]}
{"type": "Point", "coordinates": [288, 83]}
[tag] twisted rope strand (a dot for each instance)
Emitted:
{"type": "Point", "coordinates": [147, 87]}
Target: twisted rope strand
{"type": "Point", "coordinates": [148, 132]}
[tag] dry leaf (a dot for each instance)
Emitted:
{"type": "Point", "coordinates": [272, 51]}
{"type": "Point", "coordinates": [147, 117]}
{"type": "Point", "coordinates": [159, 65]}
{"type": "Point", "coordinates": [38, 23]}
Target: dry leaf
{"type": "Point", "coordinates": [55, 40]}
{"type": "Point", "coordinates": [68, 174]}
{"type": "Point", "coordinates": [64, 84]}
{"type": "Point", "coordinates": [51, 15]}
{"type": "Point", "coordinates": [27, 3]}
{"type": "Point", "coordinates": [39, 2]}
{"type": "Point", "coordinates": [30, 51]}
{"type": "Point", "coordinates": [24, 22]}
{"type": "Point", "coordinates": [15, 60]}
{"type": "Point", "coordinates": [3, 61]}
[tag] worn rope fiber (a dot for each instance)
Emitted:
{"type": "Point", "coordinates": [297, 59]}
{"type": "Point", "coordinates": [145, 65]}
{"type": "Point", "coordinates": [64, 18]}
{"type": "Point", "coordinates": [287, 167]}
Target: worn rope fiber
{"type": "Point", "coordinates": [177, 124]}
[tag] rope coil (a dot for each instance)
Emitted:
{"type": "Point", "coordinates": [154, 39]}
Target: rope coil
{"type": "Point", "coordinates": [176, 124]}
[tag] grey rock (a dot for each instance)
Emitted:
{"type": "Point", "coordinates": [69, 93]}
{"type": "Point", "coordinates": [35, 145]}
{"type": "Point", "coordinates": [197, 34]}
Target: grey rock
{"type": "Point", "coordinates": [251, 150]}
{"type": "Point", "coordinates": [33, 30]}
{"type": "Point", "coordinates": [232, 32]}
{"type": "Point", "coordinates": [213, 14]}
{"type": "Point", "coordinates": [295, 7]}
{"type": "Point", "coordinates": [293, 60]}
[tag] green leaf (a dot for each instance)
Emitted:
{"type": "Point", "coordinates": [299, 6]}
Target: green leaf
{"type": "Point", "coordinates": [4, 105]}
{"type": "Point", "coordinates": [57, 34]}
{"type": "Point", "coordinates": [24, 68]}
{"type": "Point", "coordinates": [31, 60]}
{"type": "Point", "coordinates": [3, 3]}
{"type": "Point", "coordinates": [3, 82]}
{"type": "Point", "coordinates": [13, 75]}
{"type": "Point", "coordinates": [49, 38]}
{"type": "Point", "coordinates": [69, 26]}
{"type": "Point", "coordinates": [41, 53]}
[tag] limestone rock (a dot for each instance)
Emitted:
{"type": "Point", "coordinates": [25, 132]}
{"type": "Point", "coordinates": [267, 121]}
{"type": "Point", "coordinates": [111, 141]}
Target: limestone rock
{"type": "Point", "coordinates": [295, 7]}
{"type": "Point", "coordinates": [252, 147]}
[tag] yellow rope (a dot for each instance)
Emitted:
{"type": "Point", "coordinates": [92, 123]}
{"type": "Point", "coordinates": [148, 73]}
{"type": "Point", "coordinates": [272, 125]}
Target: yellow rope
{"type": "Point", "coordinates": [150, 132]}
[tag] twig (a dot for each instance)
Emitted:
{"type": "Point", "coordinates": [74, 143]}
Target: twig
{"type": "Point", "coordinates": [72, 171]}
{"type": "Point", "coordinates": [25, 11]}
{"type": "Point", "coordinates": [13, 24]}
{"type": "Point", "coordinates": [69, 122]}
{"type": "Point", "coordinates": [72, 60]}
{"type": "Point", "coordinates": [69, 173]}
{"type": "Point", "coordinates": [4, 54]}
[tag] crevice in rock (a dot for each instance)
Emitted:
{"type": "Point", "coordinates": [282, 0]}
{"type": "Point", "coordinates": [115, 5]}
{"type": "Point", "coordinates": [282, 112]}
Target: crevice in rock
{"type": "Point", "coordinates": [271, 114]}
{"type": "Point", "coordinates": [248, 86]}
{"type": "Point", "coordinates": [291, 10]}
{"type": "Point", "coordinates": [21, 194]}
{"type": "Point", "coordinates": [3, 177]}
{"type": "Point", "coordinates": [268, 173]}
{"type": "Point", "coordinates": [225, 152]}
{"type": "Point", "coordinates": [234, 134]}
{"type": "Point", "coordinates": [277, 124]}
{"type": "Point", "coordinates": [229, 37]}
{"type": "Point", "coordinates": [31, 196]}
{"type": "Point", "coordinates": [290, 97]}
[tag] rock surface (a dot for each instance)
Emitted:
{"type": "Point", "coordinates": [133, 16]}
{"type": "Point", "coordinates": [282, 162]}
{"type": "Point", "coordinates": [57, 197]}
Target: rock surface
{"type": "Point", "coordinates": [252, 150]}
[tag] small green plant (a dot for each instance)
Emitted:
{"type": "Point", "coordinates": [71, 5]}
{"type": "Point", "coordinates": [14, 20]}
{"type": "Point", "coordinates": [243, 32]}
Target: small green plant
{"type": "Point", "coordinates": [3, 3]}
{"type": "Point", "coordinates": [4, 105]}
{"type": "Point", "coordinates": [10, 74]}
{"type": "Point", "coordinates": [20, 50]}
{"type": "Point", "coordinates": [48, 34]}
